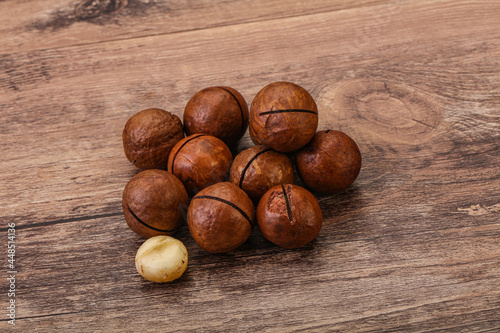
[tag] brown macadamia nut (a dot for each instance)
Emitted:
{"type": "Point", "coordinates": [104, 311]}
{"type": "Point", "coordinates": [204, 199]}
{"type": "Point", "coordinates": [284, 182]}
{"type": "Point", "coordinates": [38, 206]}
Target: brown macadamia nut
{"type": "Point", "coordinates": [154, 203]}
{"type": "Point", "coordinates": [161, 259]}
{"type": "Point", "coordinates": [149, 136]}
{"type": "Point", "coordinates": [221, 217]}
{"type": "Point", "coordinates": [199, 161]}
{"type": "Point", "coordinates": [218, 111]}
{"type": "Point", "coordinates": [257, 169]}
{"type": "Point", "coordinates": [329, 163]}
{"type": "Point", "coordinates": [283, 116]}
{"type": "Point", "coordinates": [289, 216]}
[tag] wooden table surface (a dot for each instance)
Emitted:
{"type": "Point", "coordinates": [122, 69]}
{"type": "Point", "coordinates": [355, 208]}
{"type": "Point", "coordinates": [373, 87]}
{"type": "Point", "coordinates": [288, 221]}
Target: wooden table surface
{"type": "Point", "coordinates": [412, 246]}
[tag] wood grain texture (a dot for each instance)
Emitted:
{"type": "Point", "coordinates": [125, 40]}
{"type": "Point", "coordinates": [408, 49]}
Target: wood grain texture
{"type": "Point", "coordinates": [34, 24]}
{"type": "Point", "coordinates": [412, 246]}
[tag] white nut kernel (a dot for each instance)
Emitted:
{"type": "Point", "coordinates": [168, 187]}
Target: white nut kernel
{"type": "Point", "coordinates": [161, 259]}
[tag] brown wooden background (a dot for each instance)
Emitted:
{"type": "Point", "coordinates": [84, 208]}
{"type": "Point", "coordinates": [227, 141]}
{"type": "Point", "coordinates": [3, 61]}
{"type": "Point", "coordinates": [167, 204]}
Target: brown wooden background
{"type": "Point", "coordinates": [412, 246]}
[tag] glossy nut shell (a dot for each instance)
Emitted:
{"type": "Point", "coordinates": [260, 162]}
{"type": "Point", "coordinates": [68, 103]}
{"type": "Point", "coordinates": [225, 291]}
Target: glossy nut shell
{"type": "Point", "coordinates": [199, 161]}
{"type": "Point", "coordinates": [329, 163]}
{"type": "Point", "coordinates": [221, 217]}
{"type": "Point", "coordinates": [218, 111]}
{"type": "Point", "coordinates": [283, 116]}
{"type": "Point", "coordinates": [257, 169]}
{"type": "Point", "coordinates": [154, 203]}
{"type": "Point", "coordinates": [289, 216]}
{"type": "Point", "coordinates": [149, 136]}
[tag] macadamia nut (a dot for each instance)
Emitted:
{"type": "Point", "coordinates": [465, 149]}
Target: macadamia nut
{"type": "Point", "coordinates": [199, 161]}
{"type": "Point", "coordinates": [161, 259]}
{"type": "Point", "coordinates": [218, 111]}
{"type": "Point", "coordinates": [329, 163]}
{"type": "Point", "coordinates": [154, 203]}
{"type": "Point", "coordinates": [257, 169]}
{"type": "Point", "coordinates": [289, 216]}
{"type": "Point", "coordinates": [221, 217]}
{"type": "Point", "coordinates": [148, 138]}
{"type": "Point", "coordinates": [283, 116]}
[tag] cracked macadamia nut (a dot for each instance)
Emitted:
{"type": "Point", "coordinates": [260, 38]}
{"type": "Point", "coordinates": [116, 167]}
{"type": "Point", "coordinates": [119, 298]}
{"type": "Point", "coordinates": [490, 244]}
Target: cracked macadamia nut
{"type": "Point", "coordinates": [199, 161]}
{"type": "Point", "coordinates": [149, 136]}
{"type": "Point", "coordinates": [283, 116]}
{"type": "Point", "coordinates": [154, 203]}
{"type": "Point", "coordinates": [329, 163]}
{"type": "Point", "coordinates": [289, 216]}
{"type": "Point", "coordinates": [221, 217]}
{"type": "Point", "coordinates": [218, 111]}
{"type": "Point", "coordinates": [257, 169]}
{"type": "Point", "coordinates": [161, 259]}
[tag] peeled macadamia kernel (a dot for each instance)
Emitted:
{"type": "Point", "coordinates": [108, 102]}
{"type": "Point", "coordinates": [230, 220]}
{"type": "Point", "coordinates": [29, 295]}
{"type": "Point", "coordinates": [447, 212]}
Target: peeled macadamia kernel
{"type": "Point", "coordinates": [161, 259]}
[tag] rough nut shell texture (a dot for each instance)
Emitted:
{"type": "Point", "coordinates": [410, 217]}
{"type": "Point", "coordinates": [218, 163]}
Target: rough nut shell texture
{"type": "Point", "coordinates": [283, 116]}
{"type": "Point", "coordinates": [221, 217]}
{"type": "Point", "coordinates": [289, 216]}
{"type": "Point", "coordinates": [257, 169]}
{"type": "Point", "coordinates": [149, 136]}
{"type": "Point", "coordinates": [218, 111]}
{"type": "Point", "coordinates": [199, 161]}
{"type": "Point", "coordinates": [154, 203]}
{"type": "Point", "coordinates": [329, 163]}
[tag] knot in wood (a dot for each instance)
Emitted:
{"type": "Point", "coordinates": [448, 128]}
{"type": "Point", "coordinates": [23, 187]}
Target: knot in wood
{"type": "Point", "coordinates": [88, 9]}
{"type": "Point", "coordinates": [384, 112]}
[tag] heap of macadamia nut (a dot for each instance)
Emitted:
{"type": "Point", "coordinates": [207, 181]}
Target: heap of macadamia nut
{"type": "Point", "coordinates": [221, 214]}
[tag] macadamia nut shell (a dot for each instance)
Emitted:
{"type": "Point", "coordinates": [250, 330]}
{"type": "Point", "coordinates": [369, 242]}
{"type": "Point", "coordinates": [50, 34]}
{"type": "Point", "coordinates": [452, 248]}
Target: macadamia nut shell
{"type": "Point", "coordinates": [221, 217]}
{"type": "Point", "coordinates": [329, 163]}
{"type": "Point", "coordinates": [289, 216]}
{"type": "Point", "coordinates": [283, 116]}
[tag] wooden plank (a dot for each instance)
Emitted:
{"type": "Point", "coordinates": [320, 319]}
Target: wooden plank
{"type": "Point", "coordinates": [412, 246]}
{"type": "Point", "coordinates": [75, 157]}
{"type": "Point", "coordinates": [34, 24]}
{"type": "Point", "coordinates": [87, 272]}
